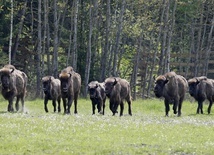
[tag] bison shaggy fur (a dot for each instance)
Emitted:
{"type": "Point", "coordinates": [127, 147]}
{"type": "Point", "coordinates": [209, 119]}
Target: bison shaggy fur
{"type": "Point", "coordinates": [173, 88]}
{"type": "Point", "coordinates": [202, 88]}
{"type": "Point", "coordinates": [14, 83]}
{"type": "Point", "coordinates": [70, 88]}
{"type": "Point", "coordinates": [51, 89]}
{"type": "Point", "coordinates": [118, 90]}
{"type": "Point", "coordinates": [97, 95]}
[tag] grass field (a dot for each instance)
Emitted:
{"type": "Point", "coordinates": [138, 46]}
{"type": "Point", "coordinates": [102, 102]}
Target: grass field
{"type": "Point", "coordinates": [148, 131]}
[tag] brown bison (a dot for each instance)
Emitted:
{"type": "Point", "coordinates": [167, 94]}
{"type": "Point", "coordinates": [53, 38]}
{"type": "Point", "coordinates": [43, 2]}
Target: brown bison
{"type": "Point", "coordinates": [51, 88]}
{"type": "Point", "coordinates": [70, 88]}
{"type": "Point", "coordinates": [202, 88]}
{"type": "Point", "coordinates": [118, 90]}
{"type": "Point", "coordinates": [173, 88]}
{"type": "Point", "coordinates": [14, 83]}
{"type": "Point", "coordinates": [97, 96]}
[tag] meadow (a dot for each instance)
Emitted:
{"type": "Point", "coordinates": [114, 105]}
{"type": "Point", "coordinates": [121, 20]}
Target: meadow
{"type": "Point", "coordinates": [148, 131]}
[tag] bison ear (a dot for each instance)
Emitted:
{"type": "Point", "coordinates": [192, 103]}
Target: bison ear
{"type": "Point", "coordinates": [154, 77]}
{"type": "Point", "coordinates": [96, 85]}
{"type": "Point", "coordinates": [166, 81]}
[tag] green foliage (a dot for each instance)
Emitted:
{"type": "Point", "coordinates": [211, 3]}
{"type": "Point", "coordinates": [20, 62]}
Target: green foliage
{"type": "Point", "coordinates": [146, 132]}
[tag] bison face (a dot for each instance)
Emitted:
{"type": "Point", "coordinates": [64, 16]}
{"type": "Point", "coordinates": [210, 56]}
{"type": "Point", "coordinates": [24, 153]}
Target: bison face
{"type": "Point", "coordinates": [193, 88]}
{"type": "Point", "coordinates": [46, 86]}
{"type": "Point", "coordinates": [93, 91]}
{"type": "Point", "coordinates": [159, 86]}
{"type": "Point", "coordinates": [5, 79]}
{"type": "Point", "coordinates": [65, 84]}
{"type": "Point", "coordinates": [109, 86]}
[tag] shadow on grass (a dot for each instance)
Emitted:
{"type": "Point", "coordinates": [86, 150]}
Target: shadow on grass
{"type": "Point", "coordinates": [3, 112]}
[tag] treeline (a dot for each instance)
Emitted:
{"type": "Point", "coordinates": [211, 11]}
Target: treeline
{"type": "Point", "coordinates": [133, 39]}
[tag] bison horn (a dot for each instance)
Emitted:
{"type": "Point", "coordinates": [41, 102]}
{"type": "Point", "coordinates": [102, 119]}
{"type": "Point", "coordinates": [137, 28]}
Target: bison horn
{"type": "Point", "coordinates": [11, 70]}
{"type": "Point", "coordinates": [115, 81]}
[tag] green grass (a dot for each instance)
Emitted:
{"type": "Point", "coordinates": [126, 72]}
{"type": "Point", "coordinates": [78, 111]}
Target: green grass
{"type": "Point", "coordinates": [148, 131]}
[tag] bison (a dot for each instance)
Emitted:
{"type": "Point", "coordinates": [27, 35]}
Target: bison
{"type": "Point", "coordinates": [51, 88]}
{"type": "Point", "coordinates": [173, 88]}
{"type": "Point", "coordinates": [70, 88]}
{"type": "Point", "coordinates": [118, 90]}
{"type": "Point", "coordinates": [202, 88]}
{"type": "Point", "coordinates": [14, 83]}
{"type": "Point", "coordinates": [97, 96]}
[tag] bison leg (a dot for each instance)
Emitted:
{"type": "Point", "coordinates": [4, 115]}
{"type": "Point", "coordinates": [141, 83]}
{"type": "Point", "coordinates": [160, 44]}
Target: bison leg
{"type": "Point", "coordinates": [175, 105]}
{"type": "Point", "coordinates": [200, 107]}
{"type": "Point", "coordinates": [75, 104]}
{"type": "Point", "coordinates": [17, 103]}
{"type": "Point", "coordinates": [210, 106]}
{"type": "Point", "coordinates": [45, 105]}
{"type": "Point", "coordinates": [103, 108]}
{"type": "Point", "coordinates": [54, 105]}
{"type": "Point", "coordinates": [166, 107]}
{"type": "Point", "coordinates": [121, 108]}
{"type": "Point", "coordinates": [130, 108]}
{"type": "Point", "coordinates": [10, 106]}
{"type": "Point", "coordinates": [70, 100]}
{"type": "Point", "coordinates": [59, 106]}
{"type": "Point", "coordinates": [64, 105]}
{"type": "Point", "coordinates": [111, 107]}
{"type": "Point", "coordinates": [179, 108]}
{"type": "Point", "coordinates": [23, 103]}
{"type": "Point", "coordinates": [93, 108]}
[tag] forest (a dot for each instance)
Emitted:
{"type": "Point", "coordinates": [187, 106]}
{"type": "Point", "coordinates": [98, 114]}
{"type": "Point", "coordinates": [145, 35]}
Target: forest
{"type": "Point", "coordinates": [132, 39]}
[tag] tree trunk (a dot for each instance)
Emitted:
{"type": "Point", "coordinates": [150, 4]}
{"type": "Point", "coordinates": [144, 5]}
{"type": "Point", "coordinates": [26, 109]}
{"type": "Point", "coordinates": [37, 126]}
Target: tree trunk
{"type": "Point", "coordinates": [88, 57]}
{"type": "Point", "coordinates": [165, 10]}
{"type": "Point", "coordinates": [56, 40]}
{"type": "Point", "coordinates": [11, 31]}
{"type": "Point", "coordinates": [74, 52]}
{"type": "Point", "coordinates": [171, 27]}
{"type": "Point", "coordinates": [208, 48]}
{"type": "Point", "coordinates": [39, 51]}
{"type": "Point", "coordinates": [198, 43]}
{"type": "Point", "coordinates": [155, 52]}
{"type": "Point", "coordinates": [106, 46]}
{"type": "Point", "coordinates": [118, 36]}
{"type": "Point", "coordinates": [16, 44]}
{"type": "Point", "coordinates": [135, 68]}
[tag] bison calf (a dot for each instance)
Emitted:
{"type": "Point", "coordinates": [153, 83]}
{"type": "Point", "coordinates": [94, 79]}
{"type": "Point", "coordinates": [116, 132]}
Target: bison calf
{"type": "Point", "coordinates": [51, 88]}
{"type": "Point", "coordinates": [70, 88]}
{"type": "Point", "coordinates": [118, 90]}
{"type": "Point", "coordinates": [14, 83]}
{"type": "Point", "coordinates": [173, 88]}
{"type": "Point", "coordinates": [97, 96]}
{"type": "Point", "coordinates": [202, 88]}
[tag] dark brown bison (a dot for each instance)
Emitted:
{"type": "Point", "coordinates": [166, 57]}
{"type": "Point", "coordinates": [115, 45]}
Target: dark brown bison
{"type": "Point", "coordinates": [202, 88]}
{"type": "Point", "coordinates": [173, 88]}
{"type": "Point", "coordinates": [97, 96]}
{"type": "Point", "coordinates": [14, 83]}
{"type": "Point", "coordinates": [70, 88]}
{"type": "Point", "coordinates": [118, 90]}
{"type": "Point", "coordinates": [51, 89]}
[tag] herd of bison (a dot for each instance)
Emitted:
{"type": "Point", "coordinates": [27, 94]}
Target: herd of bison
{"type": "Point", "coordinates": [170, 86]}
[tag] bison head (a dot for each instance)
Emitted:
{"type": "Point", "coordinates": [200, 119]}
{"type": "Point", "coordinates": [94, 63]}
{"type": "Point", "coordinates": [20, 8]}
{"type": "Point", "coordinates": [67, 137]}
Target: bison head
{"type": "Point", "coordinates": [193, 83]}
{"type": "Point", "coordinates": [159, 85]}
{"type": "Point", "coordinates": [46, 81]}
{"type": "Point", "coordinates": [6, 74]}
{"type": "Point", "coordinates": [65, 79]}
{"type": "Point", "coordinates": [109, 85]}
{"type": "Point", "coordinates": [92, 88]}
